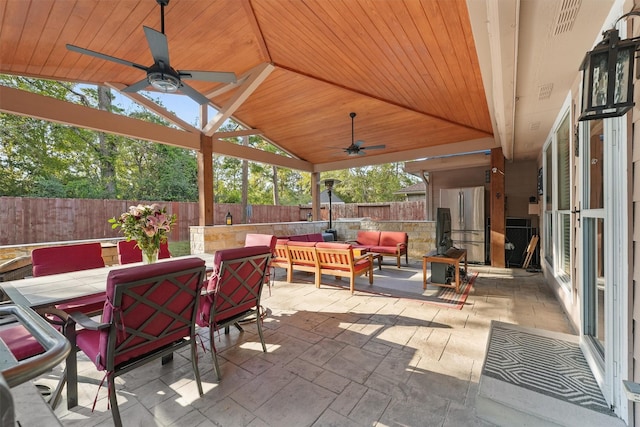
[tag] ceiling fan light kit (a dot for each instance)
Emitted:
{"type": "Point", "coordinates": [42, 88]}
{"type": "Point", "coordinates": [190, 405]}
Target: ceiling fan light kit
{"type": "Point", "coordinates": [164, 82]}
{"type": "Point", "coordinates": [161, 76]}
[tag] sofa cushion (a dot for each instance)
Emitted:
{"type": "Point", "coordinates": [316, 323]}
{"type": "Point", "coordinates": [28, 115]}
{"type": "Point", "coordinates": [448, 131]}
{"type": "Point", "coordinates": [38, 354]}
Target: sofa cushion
{"type": "Point", "coordinates": [298, 243]}
{"type": "Point", "coordinates": [315, 237]}
{"type": "Point", "coordinates": [392, 238]}
{"type": "Point", "coordinates": [368, 238]}
{"type": "Point", "coordinates": [252, 239]}
{"type": "Point", "coordinates": [20, 342]}
{"type": "Point", "coordinates": [299, 238]}
{"type": "Point", "coordinates": [384, 249]}
{"type": "Point", "coordinates": [333, 245]}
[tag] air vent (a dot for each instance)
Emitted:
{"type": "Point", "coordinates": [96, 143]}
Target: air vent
{"type": "Point", "coordinates": [533, 126]}
{"type": "Point", "coordinates": [566, 16]}
{"type": "Point", "coordinates": [544, 91]}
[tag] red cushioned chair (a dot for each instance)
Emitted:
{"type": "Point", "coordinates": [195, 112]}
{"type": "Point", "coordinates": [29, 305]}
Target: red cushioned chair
{"type": "Point", "coordinates": [263, 240]}
{"type": "Point", "coordinates": [150, 312]}
{"type": "Point", "coordinates": [23, 345]}
{"type": "Point", "coordinates": [260, 240]}
{"type": "Point", "coordinates": [63, 259]}
{"type": "Point", "coordinates": [20, 342]}
{"type": "Point", "coordinates": [233, 292]}
{"type": "Point", "coordinates": [129, 253]}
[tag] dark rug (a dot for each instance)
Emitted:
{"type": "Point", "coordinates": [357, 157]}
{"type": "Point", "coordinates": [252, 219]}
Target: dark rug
{"type": "Point", "coordinates": [544, 362]}
{"type": "Point", "coordinates": [404, 282]}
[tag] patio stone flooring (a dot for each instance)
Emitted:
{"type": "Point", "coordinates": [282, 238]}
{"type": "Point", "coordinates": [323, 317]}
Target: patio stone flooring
{"type": "Point", "coordinates": [332, 359]}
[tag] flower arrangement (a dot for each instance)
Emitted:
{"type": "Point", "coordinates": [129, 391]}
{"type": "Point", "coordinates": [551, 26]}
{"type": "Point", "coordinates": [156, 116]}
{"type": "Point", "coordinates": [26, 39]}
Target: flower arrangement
{"type": "Point", "coordinates": [148, 225]}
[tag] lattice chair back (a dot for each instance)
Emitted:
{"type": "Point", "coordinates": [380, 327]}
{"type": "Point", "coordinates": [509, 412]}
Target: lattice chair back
{"type": "Point", "coordinates": [150, 312]}
{"type": "Point", "coordinates": [67, 258]}
{"type": "Point", "coordinates": [264, 240]}
{"type": "Point", "coordinates": [129, 253]}
{"type": "Point", "coordinates": [234, 290]}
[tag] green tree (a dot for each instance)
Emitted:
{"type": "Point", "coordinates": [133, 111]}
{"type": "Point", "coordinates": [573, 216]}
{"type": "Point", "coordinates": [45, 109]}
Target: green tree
{"type": "Point", "coordinates": [46, 159]}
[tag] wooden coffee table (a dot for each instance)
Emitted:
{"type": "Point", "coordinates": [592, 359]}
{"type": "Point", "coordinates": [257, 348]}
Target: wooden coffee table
{"type": "Point", "coordinates": [453, 257]}
{"type": "Point", "coordinates": [374, 256]}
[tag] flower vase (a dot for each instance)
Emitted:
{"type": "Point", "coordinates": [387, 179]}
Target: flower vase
{"type": "Point", "coordinates": [149, 256]}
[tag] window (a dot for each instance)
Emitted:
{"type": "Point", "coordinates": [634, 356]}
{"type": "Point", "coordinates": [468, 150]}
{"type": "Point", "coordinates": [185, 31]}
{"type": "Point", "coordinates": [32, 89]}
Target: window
{"type": "Point", "coordinates": [557, 214]}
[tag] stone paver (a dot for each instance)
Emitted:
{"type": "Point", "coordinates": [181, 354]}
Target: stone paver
{"type": "Point", "coordinates": [333, 360]}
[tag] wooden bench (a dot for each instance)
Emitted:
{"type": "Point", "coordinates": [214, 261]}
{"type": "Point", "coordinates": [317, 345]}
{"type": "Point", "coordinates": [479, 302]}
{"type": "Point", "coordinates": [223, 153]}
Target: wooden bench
{"type": "Point", "coordinates": [302, 257]}
{"type": "Point", "coordinates": [337, 259]}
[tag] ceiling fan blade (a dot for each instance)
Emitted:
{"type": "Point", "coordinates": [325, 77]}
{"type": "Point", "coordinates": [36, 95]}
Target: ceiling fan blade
{"type": "Point", "coordinates": [137, 86]}
{"type": "Point", "coordinates": [194, 94]}
{"type": "Point", "coordinates": [373, 147]}
{"type": "Point", "coordinates": [358, 143]}
{"type": "Point", "coordinates": [208, 76]}
{"type": "Point", "coordinates": [105, 57]}
{"type": "Point", "coordinates": [158, 45]}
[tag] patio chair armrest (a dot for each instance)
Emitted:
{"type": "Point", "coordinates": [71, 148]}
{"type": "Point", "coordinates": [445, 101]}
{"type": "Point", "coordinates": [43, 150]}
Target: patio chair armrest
{"type": "Point", "coordinates": [87, 322]}
{"type": "Point", "coordinates": [363, 256]}
{"type": "Point", "coordinates": [54, 315]}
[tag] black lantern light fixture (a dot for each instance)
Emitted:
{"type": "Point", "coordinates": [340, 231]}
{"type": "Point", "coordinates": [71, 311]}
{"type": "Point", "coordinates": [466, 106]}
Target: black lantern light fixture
{"type": "Point", "coordinates": [607, 79]}
{"type": "Point", "coordinates": [329, 183]}
{"type": "Point", "coordinates": [229, 219]}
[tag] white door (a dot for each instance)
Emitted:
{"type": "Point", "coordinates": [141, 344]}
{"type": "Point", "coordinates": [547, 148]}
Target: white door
{"type": "Point", "coordinates": [602, 238]}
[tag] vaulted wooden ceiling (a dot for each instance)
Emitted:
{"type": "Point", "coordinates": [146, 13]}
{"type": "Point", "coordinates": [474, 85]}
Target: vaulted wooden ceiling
{"type": "Point", "coordinates": [407, 68]}
{"type": "Point", "coordinates": [410, 69]}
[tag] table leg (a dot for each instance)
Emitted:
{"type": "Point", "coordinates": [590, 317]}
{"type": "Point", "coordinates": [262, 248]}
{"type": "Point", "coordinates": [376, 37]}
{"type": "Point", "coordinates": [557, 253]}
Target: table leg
{"type": "Point", "coordinates": [457, 266]}
{"type": "Point", "coordinates": [424, 273]}
{"type": "Point", "coordinates": [72, 366]}
{"type": "Point", "coordinates": [466, 270]}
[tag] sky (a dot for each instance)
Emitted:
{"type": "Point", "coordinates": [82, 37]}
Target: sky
{"type": "Point", "coordinates": [183, 106]}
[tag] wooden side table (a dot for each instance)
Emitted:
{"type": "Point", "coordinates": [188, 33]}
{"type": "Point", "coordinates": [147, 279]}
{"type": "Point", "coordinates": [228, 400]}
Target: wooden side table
{"type": "Point", "coordinates": [453, 257]}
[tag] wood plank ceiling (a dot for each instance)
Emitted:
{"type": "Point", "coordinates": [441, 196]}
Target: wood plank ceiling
{"type": "Point", "coordinates": [409, 69]}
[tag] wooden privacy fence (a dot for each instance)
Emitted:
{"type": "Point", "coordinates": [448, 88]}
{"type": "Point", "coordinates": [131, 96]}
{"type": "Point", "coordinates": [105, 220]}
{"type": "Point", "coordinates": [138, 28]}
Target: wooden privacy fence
{"type": "Point", "coordinates": [26, 220]}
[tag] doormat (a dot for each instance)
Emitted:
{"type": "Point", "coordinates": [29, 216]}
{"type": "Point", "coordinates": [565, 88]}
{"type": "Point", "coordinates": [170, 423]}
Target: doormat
{"type": "Point", "coordinates": [401, 283]}
{"type": "Point", "coordinates": [544, 362]}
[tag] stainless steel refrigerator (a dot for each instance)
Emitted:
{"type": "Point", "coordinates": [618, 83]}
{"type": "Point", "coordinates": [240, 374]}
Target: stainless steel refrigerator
{"type": "Point", "coordinates": [467, 219]}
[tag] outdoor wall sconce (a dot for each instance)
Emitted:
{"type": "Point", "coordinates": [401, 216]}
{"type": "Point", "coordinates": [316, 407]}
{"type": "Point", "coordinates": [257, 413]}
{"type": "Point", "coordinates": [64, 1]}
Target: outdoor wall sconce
{"type": "Point", "coordinates": [329, 183]}
{"type": "Point", "coordinates": [496, 170]}
{"type": "Point", "coordinates": [607, 81]}
{"type": "Point", "coordinates": [229, 219]}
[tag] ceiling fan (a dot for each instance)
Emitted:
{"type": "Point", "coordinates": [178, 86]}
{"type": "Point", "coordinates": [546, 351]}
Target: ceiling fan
{"type": "Point", "coordinates": [356, 148]}
{"type": "Point", "coordinates": [161, 75]}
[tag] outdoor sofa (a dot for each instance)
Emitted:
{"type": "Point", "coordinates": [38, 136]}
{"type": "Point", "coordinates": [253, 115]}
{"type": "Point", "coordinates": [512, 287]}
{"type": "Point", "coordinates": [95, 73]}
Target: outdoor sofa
{"type": "Point", "coordinates": [389, 243]}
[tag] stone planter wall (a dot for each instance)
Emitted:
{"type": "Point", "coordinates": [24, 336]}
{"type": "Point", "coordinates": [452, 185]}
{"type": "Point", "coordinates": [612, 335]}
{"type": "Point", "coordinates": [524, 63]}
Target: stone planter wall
{"type": "Point", "coordinates": [208, 239]}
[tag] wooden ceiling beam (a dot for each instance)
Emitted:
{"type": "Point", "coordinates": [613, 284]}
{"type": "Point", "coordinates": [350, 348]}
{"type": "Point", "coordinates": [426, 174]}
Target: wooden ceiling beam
{"type": "Point", "coordinates": [253, 154]}
{"type": "Point", "coordinates": [15, 101]}
{"type": "Point", "coordinates": [452, 162]}
{"type": "Point", "coordinates": [258, 75]}
{"type": "Point", "coordinates": [237, 133]}
{"type": "Point", "coordinates": [409, 155]}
